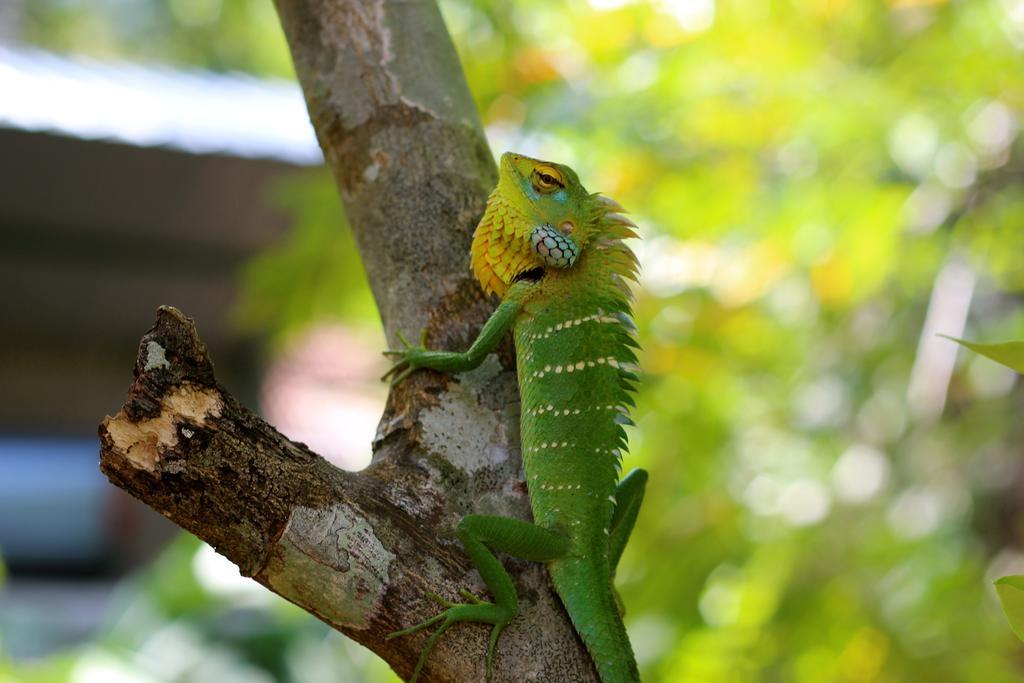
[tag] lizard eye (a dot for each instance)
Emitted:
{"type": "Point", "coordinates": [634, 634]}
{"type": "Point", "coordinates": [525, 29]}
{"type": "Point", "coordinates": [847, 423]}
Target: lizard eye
{"type": "Point", "coordinates": [547, 179]}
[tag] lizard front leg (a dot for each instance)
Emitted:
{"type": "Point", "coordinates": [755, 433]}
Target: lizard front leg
{"type": "Point", "coordinates": [478, 533]}
{"type": "Point", "coordinates": [411, 358]}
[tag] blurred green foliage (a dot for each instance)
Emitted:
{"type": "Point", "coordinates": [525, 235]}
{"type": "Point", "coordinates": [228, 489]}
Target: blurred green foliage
{"type": "Point", "coordinates": [288, 287]}
{"type": "Point", "coordinates": [191, 618]}
{"type": "Point", "coordinates": [223, 35]}
{"type": "Point", "coordinates": [1011, 595]}
{"type": "Point", "coordinates": [822, 186]}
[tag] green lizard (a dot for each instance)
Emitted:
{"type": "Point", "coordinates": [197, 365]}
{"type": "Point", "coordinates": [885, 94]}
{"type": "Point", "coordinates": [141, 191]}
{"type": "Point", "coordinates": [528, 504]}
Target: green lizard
{"type": "Point", "coordinates": [555, 255]}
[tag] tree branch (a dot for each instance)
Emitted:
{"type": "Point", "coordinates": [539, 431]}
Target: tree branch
{"type": "Point", "coordinates": [400, 132]}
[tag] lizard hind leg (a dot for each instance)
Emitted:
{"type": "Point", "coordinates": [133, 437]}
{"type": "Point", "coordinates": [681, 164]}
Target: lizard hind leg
{"type": "Point", "coordinates": [479, 535]}
{"type": "Point", "coordinates": [629, 494]}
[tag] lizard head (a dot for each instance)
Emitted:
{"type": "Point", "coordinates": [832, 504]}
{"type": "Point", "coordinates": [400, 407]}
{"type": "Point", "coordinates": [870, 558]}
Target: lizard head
{"type": "Point", "coordinates": [546, 192]}
{"type": "Point", "coordinates": [538, 217]}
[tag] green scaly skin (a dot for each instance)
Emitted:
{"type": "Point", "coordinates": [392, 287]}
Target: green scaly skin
{"type": "Point", "coordinates": [574, 347]}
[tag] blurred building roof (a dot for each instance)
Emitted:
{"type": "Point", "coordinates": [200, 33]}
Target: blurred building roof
{"type": "Point", "coordinates": [153, 106]}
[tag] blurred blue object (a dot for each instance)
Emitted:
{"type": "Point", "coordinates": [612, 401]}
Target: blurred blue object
{"type": "Point", "coordinates": [54, 503]}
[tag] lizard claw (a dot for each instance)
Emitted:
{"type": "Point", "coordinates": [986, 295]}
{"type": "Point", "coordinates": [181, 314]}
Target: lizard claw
{"type": "Point", "coordinates": [404, 358]}
{"type": "Point", "coordinates": [476, 610]}
{"type": "Point", "coordinates": [434, 597]}
{"type": "Point", "coordinates": [397, 373]}
{"type": "Point", "coordinates": [464, 592]}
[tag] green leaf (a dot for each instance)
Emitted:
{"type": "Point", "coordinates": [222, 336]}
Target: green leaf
{"type": "Point", "coordinates": [1011, 595]}
{"type": "Point", "coordinates": [1010, 354]}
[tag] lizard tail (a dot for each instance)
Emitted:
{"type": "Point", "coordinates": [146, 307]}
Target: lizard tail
{"type": "Point", "coordinates": [586, 592]}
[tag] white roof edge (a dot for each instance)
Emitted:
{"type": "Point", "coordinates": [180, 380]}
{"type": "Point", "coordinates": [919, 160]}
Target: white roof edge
{"type": "Point", "coordinates": [150, 106]}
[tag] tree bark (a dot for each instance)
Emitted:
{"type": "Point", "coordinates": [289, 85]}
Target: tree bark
{"type": "Point", "coordinates": [400, 132]}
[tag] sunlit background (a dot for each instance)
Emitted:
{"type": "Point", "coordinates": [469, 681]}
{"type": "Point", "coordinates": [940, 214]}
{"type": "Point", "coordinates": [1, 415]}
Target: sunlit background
{"type": "Point", "coordinates": [823, 187]}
